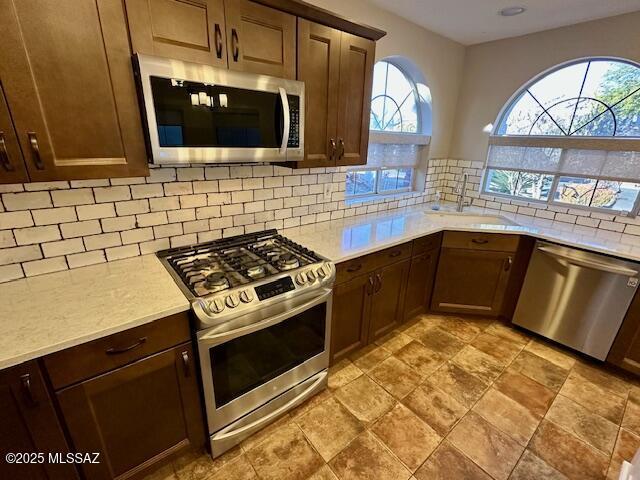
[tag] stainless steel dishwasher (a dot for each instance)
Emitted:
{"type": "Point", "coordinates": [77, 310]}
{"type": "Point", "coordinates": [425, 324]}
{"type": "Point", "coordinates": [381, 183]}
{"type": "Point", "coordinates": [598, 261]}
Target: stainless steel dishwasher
{"type": "Point", "coordinates": [576, 298]}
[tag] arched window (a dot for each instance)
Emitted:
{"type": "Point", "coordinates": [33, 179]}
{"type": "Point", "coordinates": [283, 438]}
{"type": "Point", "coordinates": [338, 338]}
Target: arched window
{"type": "Point", "coordinates": [394, 100]}
{"type": "Point", "coordinates": [571, 137]}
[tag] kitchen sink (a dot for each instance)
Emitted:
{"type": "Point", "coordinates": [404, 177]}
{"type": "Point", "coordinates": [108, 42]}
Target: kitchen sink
{"type": "Point", "coordinates": [468, 218]}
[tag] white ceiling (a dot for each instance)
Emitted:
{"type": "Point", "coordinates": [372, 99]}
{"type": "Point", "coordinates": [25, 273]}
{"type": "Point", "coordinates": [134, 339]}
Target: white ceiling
{"type": "Point", "coordinates": [477, 21]}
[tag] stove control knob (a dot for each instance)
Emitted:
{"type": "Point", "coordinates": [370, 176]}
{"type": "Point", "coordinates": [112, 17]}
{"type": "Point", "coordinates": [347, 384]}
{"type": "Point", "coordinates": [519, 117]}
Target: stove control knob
{"type": "Point", "coordinates": [301, 279]}
{"type": "Point", "coordinates": [321, 271]}
{"type": "Point", "coordinates": [232, 300]}
{"type": "Point", "coordinates": [216, 305]}
{"type": "Point", "coordinates": [246, 296]}
{"type": "Point", "coordinates": [311, 276]}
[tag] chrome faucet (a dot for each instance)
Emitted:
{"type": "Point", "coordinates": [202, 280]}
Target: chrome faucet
{"type": "Point", "coordinates": [461, 191]}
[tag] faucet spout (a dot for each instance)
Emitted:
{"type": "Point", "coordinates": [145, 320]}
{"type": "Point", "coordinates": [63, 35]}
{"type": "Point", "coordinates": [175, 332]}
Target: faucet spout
{"type": "Point", "coordinates": [462, 191]}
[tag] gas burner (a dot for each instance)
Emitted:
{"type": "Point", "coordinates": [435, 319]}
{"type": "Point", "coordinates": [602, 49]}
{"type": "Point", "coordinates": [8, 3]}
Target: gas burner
{"type": "Point", "coordinates": [255, 272]}
{"type": "Point", "coordinates": [216, 282]}
{"type": "Point", "coordinates": [202, 263]}
{"type": "Point", "coordinates": [288, 261]}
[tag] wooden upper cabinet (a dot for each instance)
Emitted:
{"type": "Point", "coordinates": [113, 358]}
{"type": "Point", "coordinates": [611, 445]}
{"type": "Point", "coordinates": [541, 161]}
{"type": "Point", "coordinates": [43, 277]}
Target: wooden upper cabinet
{"type": "Point", "coordinates": [354, 105]}
{"type": "Point", "coordinates": [319, 69]}
{"type": "Point", "coordinates": [190, 30]}
{"type": "Point", "coordinates": [29, 424]}
{"type": "Point", "coordinates": [12, 168]}
{"type": "Point", "coordinates": [260, 39]}
{"type": "Point", "coordinates": [68, 80]}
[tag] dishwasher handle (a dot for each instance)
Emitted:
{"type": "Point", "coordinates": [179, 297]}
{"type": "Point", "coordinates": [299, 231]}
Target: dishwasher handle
{"type": "Point", "coordinates": [582, 262]}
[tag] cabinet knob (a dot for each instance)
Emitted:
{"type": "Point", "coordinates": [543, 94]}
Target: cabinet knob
{"type": "Point", "coordinates": [371, 286]}
{"type": "Point", "coordinates": [218, 40]}
{"type": "Point", "coordinates": [25, 381]}
{"type": "Point", "coordinates": [378, 282]}
{"type": "Point", "coordinates": [186, 363]}
{"type": "Point", "coordinates": [508, 263]}
{"type": "Point", "coordinates": [35, 150]}
{"type": "Point", "coordinates": [341, 154]}
{"type": "Point", "coordinates": [235, 44]}
{"type": "Point", "coordinates": [4, 155]}
{"type": "Point", "coordinates": [332, 155]}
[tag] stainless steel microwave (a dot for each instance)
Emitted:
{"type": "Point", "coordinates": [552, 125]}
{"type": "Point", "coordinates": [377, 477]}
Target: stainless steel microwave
{"type": "Point", "coordinates": [196, 113]}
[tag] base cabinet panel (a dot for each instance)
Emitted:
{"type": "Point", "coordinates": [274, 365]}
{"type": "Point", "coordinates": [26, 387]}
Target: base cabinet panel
{"type": "Point", "coordinates": [420, 284]}
{"type": "Point", "coordinates": [625, 351]}
{"type": "Point", "coordinates": [136, 416]}
{"type": "Point", "coordinates": [388, 299]}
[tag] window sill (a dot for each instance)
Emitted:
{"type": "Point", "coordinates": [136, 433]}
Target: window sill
{"type": "Point", "coordinates": [370, 198]}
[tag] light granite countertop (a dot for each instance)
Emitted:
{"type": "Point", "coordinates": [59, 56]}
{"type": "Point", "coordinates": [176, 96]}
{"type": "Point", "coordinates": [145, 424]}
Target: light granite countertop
{"type": "Point", "coordinates": [48, 313]}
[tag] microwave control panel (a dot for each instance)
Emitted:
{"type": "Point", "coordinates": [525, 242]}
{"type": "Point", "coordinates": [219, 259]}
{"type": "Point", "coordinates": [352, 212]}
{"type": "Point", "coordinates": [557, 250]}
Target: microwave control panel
{"type": "Point", "coordinates": [294, 118]}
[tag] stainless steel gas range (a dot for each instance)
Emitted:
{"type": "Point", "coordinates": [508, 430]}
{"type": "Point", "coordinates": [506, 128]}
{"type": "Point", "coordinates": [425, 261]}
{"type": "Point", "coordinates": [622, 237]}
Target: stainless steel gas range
{"type": "Point", "coordinates": [262, 305]}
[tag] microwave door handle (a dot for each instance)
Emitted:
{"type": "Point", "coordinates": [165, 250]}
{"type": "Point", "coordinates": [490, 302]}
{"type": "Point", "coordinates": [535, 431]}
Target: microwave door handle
{"type": "Point", "coordinates": [287, 120]}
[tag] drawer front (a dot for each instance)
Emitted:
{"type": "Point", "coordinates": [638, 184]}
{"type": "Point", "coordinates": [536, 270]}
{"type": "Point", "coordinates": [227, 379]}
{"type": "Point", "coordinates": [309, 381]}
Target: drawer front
{"type": "Point", "coordinates": [350, 269]}
{"type": "Point", "coordinates": [481, 241]}
{"type": "Point", "coordinates": [93, 358]}
{"type": "Point", "coordinates": [424, 244]}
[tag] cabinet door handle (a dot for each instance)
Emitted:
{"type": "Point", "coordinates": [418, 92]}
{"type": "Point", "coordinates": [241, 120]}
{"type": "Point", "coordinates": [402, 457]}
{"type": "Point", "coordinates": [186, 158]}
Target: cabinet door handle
{"type": "Point", "coordinates": [35, 150]}
{"type": "Point", "coordinates": [354, 268]}
{"type": "Point", "coordinates": [25, 381]}
{"type": "Point", "coordinates": [332, 155]}
{"type": "Point", "coordinates": [371, 286]}
{"type": "Point", "coordinates": [4, 155]}
{"type": "Point", "coordinates": [218, 40]}
{"type": "Point", "coordinates": [397, 253]}
{"type": "Point", "coordinates": [378, 282]}
{"type": "Point", "coordinates": [235, 44]}
{"type": "Point", "coordinates": [508, 263]}
{"type": "Point", "coordinates": [186, 363]}
{"type": "Point", "coordinates": [341, 154]}
{"type": "Point", "coordinates": [479, 241]}
{"type": "Point", "coordinates": [116, 351]}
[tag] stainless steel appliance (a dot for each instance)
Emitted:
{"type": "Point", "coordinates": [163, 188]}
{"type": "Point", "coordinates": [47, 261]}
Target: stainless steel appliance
{"type": "Point", "coordinates": [197, 113]}
{"type": "Point", "coordinates": [576, 298]}
{"type": "Point", "coordinates": [262, 305]}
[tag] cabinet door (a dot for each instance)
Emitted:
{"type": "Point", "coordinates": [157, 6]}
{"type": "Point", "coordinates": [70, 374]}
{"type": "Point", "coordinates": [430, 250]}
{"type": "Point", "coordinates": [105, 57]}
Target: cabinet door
{"type": "Point", "coordinates": [67, 75]}
{"type": "Point", "coordinates": [319, 69]}
{"type": "Point", "coordinates": [354, 106]}
{"type": "Point", "coordinates": [28, 423]}
{"type": "Point", "coordinates": [190, 30]}
{"type": "Point", "coordinates": [625, 351]}
{"type": "Point", "coordinates": [260, 39]}
{"type": "Point", "coordinates": [136, 416]}
{"type": "Point", "coordinates": [351, 306]}
{"type": "Point", "coordinates": [12, 168]}
{"type": "Point", "coordinates": [420, 284]}
{"type": "Point", "coordinates": [388, 300]}
{"type": "Point", "coordinates": [471, 281]}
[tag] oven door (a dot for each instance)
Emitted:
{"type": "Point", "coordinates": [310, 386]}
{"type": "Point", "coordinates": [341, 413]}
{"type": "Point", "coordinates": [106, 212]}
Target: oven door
{"type": "Point", "coordinates": [251, 360]}
{"type": "Point", "coordinates": [198, 113]}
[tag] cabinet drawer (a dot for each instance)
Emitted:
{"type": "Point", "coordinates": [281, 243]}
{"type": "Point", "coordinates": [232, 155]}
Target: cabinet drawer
{"type": "Point", "coordinates": [424, 244]}
{"type": "Point", "coordinates": [481, 241]}
{"type": "Point", "coordinates": [93, 358]}
{"type": "Point", "coordinates": [368, 263]}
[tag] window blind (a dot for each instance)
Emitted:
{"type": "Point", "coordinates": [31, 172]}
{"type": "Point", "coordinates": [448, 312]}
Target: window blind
{"type": "Point", "coordinates": [393, 155]}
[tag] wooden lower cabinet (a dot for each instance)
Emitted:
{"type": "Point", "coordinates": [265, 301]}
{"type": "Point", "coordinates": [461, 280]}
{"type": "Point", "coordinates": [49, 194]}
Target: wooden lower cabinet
{"type": "Point", "coordinates": [420, 284]}
{"type": "Point", "coordinates": [625, 351]}
{"type": "Point", "coordinates": [351, 306]}
{"type": "Point", "coordinates": [387, 300]}
{"type": "Point", "coordinates": [29, 424]}
{"type": "Point", "coordinates": [472, 281]}
{"type": "Point", "coordinates": [136, 416]}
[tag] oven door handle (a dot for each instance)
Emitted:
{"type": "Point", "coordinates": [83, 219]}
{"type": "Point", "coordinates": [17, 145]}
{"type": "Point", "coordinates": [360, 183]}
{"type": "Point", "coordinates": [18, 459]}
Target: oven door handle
{"type": "Point", "coordinates": [217, 337]}
{"type": "Point", "coordinates": [287, 120]}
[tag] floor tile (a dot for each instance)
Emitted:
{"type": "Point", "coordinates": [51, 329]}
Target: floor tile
{"type": "Point", "coordinates": [503, 350]}
{"type": "Point", "coordinates": [501, 329]}
{"type": "Point", "coordinates": [441, 342]}
{"type": "Point", "coordinates": [260, 436]}
{"type": "Point", "coordinates": [163, 473]}
{"type": "Point", "coordinates": [366, 458]}
{"type": "Point", "coordinates": [420, 358]}
{"type": "Point", "coordinates": [527, 392]}
{"type": "Point", "coordinates": [593, 397]}
{"type": "Point", "coordinates": [466, 329]}
{"type": "Point", "coordinates": [314, 401]}
{"type": "Point", "coordinates": [424, 323]}
{"type": "Point", "coordinates": [589, 427]}
{"type": "Point", "coordinates": [408, 437]}
{"type": "Point", "coordinates": [368, 357]}
{"type": "Point", "coordinates": [507, 415]}
{"type": "Point", "coordinates": [324, 473]}
{"type": "Point", "coordinates": [631, 420]}
{"type": "Point", "coordinates": [542, 371]}
{"type": "Point", "coordinates": [626, 446]}
{"type": "Point", "coordinates": [551, 353]}
{"type": "Point", "coordinates": [460, 384]}
{"type": "Point", "coordinates": [342, 373]}
{"type": "Point", "coordinates": [447, 463]}
{"type": "Point", "coordinates": [602, 378]}
{"type": "Point", "coordinates": [329, 427]}
{"type": "Point", "coordinates": [285, 455]}
{"type": "Point", "coordinates": [238, 469]}
{"type": "Point", "coordinates": [567, 454]}
{"type": "Point", "coordinates": [478, 363]}
{"type": "Point", "coordinates": [195, 465]}
{"type": "Point", "coordinates": [394, 341]}
{"type": "Point", "coordinates": [495, 452]}
{"type": "Point", "coordinates": [531, 467]}
{"type": "Point", "coordinates": [396, 377]}
{"type": "Point", "coordinates": [440, 410]}
{"type": "Point", "coordinates": [365, 399]}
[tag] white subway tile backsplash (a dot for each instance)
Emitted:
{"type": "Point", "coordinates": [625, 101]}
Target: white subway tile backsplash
{"type": "Point", "coordinates": [96, 211]}
{"type": "Point", "coordinates": [178, 188]}
{"type": "Point", "coordinates": [40, 267]}
{"type": "Point", "coordinates": [15, 220]}
{"type": "Point", "coordinates": [52, 216]}
{"type": "Point", "coordinates": [76, 196]}
{"type": "Point", "coordinates": [117, 253]}
{"type": "Point", "coordinates": [10, 272]}
{"type": "Point", "coordinates": [112, 194]}
{"type": "Point", "coordinates": [63, 247]}
{"type": "Point", "coordinates": [132, 207]}
{"type": "Point", "coordinates": [119, 223]}
{"type": "Point", "coordinates": [31, 235]}
{"type": "Point", "coordinates": [7, 239]}
{"type": "Point", "coordinates": [86, 258]}
{"type": "Point", "coordinates": [147, 191]}
{"type": "Point", "coordinates": [80, 229]}
{"type": "Point", "coordinates": [101, 241]}
{"type": "Point", "coordinates": [137, 235]}
{"type": "Point", "coordinates": [26, 200]}
{"type": "Point", "coordinates": [20, 254]}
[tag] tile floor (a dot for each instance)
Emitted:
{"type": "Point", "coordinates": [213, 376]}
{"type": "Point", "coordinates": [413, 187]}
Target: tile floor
{"type": "Point", "coordinates": [445, 398]}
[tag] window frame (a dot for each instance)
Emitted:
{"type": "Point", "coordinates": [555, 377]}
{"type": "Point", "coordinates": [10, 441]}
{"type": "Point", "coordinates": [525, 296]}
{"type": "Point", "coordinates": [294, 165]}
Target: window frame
{"type": "Point", "coordinates": [563, 142]}
{"type": "Point", "coordinates": [377, 192]}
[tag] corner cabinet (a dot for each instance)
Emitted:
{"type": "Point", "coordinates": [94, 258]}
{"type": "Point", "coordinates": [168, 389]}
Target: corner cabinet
{"type": "Point", "coordinates": [337, 68]}
{"type": "Point", "coordinates": [68, 82]}
{"type": "Point", "coordinates": [625, 352]}
{"type": "Point", "coordinates": [29, 424]}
